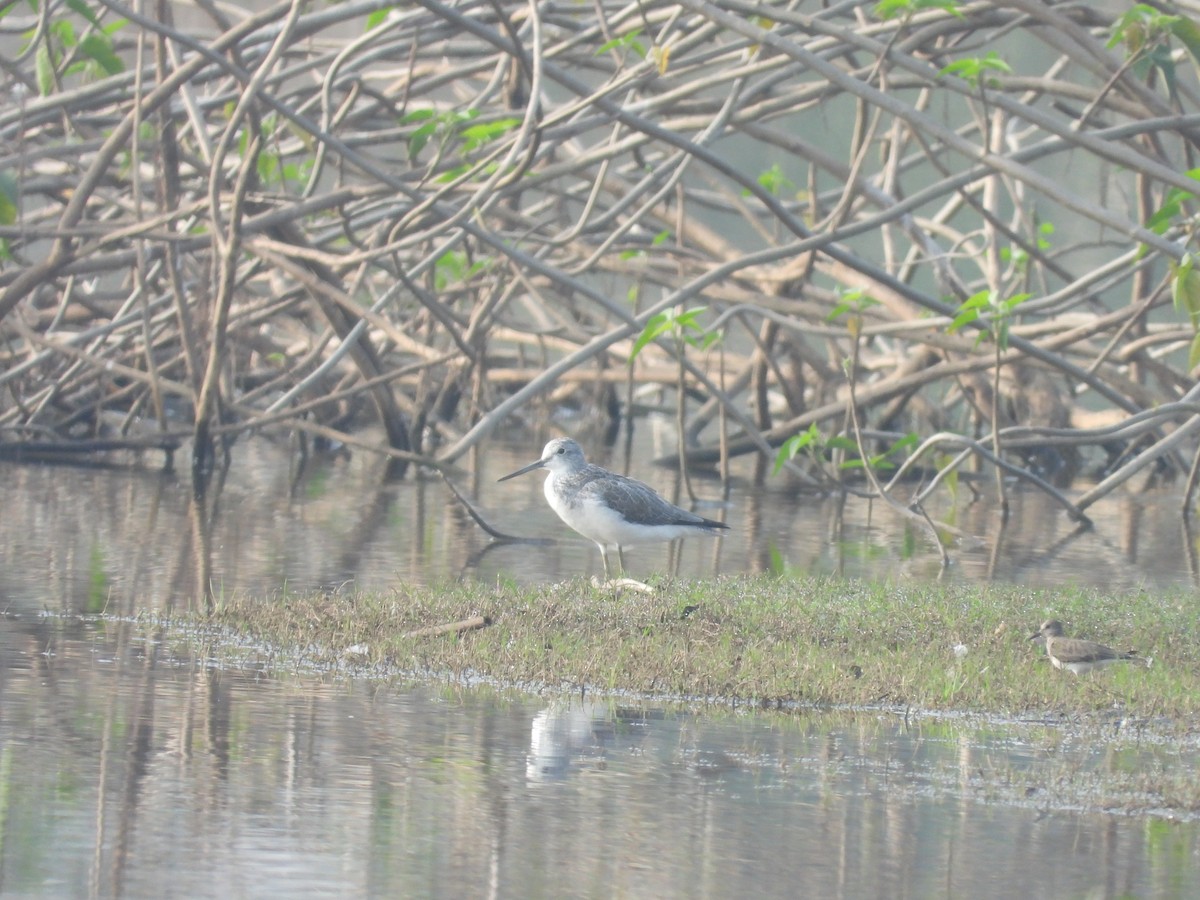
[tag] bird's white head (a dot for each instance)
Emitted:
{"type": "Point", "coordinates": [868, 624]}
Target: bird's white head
{"type": "Point", "coordinates": [560, 456]}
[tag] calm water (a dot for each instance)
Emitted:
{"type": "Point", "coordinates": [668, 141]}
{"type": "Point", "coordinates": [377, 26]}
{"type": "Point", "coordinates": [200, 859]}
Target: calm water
{"type": "Point", "coordinates": [126, 769]}
{"type": "Point", "coordinates": [132, 767]}
{"type": "Point", "coordinates": [79, 539]}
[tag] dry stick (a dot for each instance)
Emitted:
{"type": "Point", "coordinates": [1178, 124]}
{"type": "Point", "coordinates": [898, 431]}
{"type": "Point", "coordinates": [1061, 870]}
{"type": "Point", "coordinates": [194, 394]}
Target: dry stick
{"type": "Point", "coordinates": [342, 437]}
{"type": "Point", "coordinates": [324, 287]}
{"type": "Point", "coordinates": [971, 445]}
{"type": "Point", "coordinates": [253, 418]}
{"type": "Point", "coordinates": [140, 270]}
{"type": "Point", "coordinates": [1185, 504]}
{"type": "Point", "coordinates": [669, 184]}
{"type": "Point", "coordinates": [852, 408]}
{"type": "Point", "coordinates": [99, 364]}
{"type": "Point", "coordinates": [450, 628]}
{"type": "Point", "coordinates": [486, 425]}
{"type": "Point", "coordinates": [1136, 312]}
{"type": "Point", "coordinates": [290, 258]}
{"type": "Point", "coordinates": [874, 393]}
{"type": "Point", "coordinates": [995, 414]}
{"type": "Point", "coordinates": [1126, 430]}
{"type": "Point", "coordinates": [117, 141]}
{"type": "Point", "coordinates": [882, 278]}
{"type": "Point", "coordinates": [483, 523]}
{"type": "Point", "coordinates": [327, 120]}
{"type": "Point", "coordinates": [921, 67]}
{"type": "Point", "coordinates": [229, 248]}
{"type": "Point", "coordinates": [681, 416]}
{"type": "Point", "coordinates": [89, 335]}
{"type": "Point", "coordinates": [169, 196]}
{"type": "Point", "coordinates": [1139, 462]}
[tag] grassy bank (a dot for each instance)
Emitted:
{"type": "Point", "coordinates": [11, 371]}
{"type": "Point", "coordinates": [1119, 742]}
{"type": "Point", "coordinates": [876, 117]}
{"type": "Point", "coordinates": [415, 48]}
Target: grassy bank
{"type": "Point", "coordinates": [755, 640]}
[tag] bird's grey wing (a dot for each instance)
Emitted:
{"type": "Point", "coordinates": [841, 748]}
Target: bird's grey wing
{"type": "Point", "coordinates": [636, 501]}
{"type": "Point", "coordinates": [1090, 651]}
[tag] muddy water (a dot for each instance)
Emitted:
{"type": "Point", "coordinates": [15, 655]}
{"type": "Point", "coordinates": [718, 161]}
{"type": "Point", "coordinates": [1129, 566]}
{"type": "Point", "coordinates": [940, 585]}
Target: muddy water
{"type": "Point", "coordinates": [129, 768]}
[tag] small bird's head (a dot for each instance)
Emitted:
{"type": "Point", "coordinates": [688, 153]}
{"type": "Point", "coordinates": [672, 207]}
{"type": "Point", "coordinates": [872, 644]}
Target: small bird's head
{"type": "Point", "coordinates": [560, 455]}
{"type": "Point", "coordinates": [1050, 628]}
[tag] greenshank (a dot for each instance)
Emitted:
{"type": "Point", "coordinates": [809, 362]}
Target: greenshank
{"type": "Point", "coordinates": [608, 508]}
{"type": "Point", "coordinates": [1077, 655]}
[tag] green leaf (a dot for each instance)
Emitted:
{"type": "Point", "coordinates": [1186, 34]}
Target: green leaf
{"type": "Point", "coordinates": [838, 311]}
{"type": "Point", "coordinates": [44, 68]}
{"type": "Point", "coordinates": [80, 7]}
{"type": "Point", "coordinates": [100, 49]}
{"type": "Point", "coordinates": [1159, 58]}
{"type": "Point", "coordinates": [1172, 206]}
{"type": "Point", "coordinates": [476, 135]}
{"type": "Point", "coordinates": [1160, 219]}
{"type": "Point", "coordinates": [450, 267]}
{"type": "Point", "coordinates": [687, 318]}
{"type": "Point", "coordinates": [268, 167]}
{"type": "Point", "coordinates": [417, 115]}
{"type": "Point", "coordinates": [419, 139]}
{"type": "Point", "coordinates": [854, 300]}
{"type": "Point", "coordinates": [452, 174]}
{"type": "Point", "coordinates": [9, 196]}
{"type": "Point", "coordinates": [973, 68]}
{"type": "Point", "coordinates": [841, 442]}
{"type": "Point", "coordinates": [1001, 334]}
{"type": "Point", "coordinates": [1194, 352]}
{"type": "Point", "coordinates": [625, 41]}
{"type": "Point", "coordinates": [892, 9]}
{"type": "Point", "coordinates": [969, 311]}
{"type": "Point", "coordinates": [706, 340]}
{"type": "Point", "coordinates": [1044, 231]}
{"type": "Point", "coordinates": [1185, 290]}
{"type": "Point", "coordinates": [774, 181]}
{"type": "Point", "coordinates": [656, 327]}
{"type": "Point", "coordinates": [377, 18]}
{"type": "Point", "coordinates": [1140, 26]}
{"type": "Point", "coordinates": [64, 31]}
{"type": "Point", "coordinates": [1188, 33]}
{"type": "Point", "coordinates": [793, 445]}
{"type": "Point", "coordinates": [1013, 302]}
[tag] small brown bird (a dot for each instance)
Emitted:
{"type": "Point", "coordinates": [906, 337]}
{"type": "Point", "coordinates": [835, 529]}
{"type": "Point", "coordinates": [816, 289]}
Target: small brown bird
{"type": "Point", "coordinates": [1077, 655]}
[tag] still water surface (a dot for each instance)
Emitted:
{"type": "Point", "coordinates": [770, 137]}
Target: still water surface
{"type": "Point", "coordinates": [130, 769]}
{"type": "Point", "coordinates": [130, 766]}
{"type": "Point", "coordinates": [90, 539]}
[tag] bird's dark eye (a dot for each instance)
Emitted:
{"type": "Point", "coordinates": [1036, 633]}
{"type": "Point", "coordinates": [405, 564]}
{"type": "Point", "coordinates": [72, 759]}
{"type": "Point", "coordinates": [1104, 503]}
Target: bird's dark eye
{"type": "Point", "coordinates": [562, 450]}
